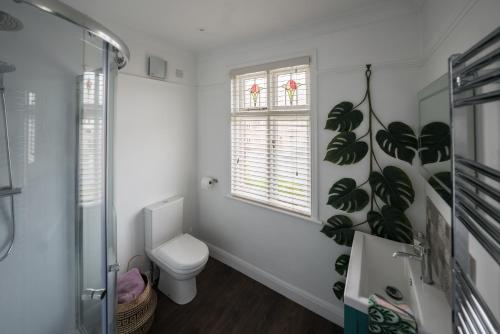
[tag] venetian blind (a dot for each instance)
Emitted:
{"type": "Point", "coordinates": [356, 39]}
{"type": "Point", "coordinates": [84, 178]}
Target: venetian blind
{"type": "Point", "coordinates": [271, 135]}
{"type": "Point", "coordinates": [91, 139]}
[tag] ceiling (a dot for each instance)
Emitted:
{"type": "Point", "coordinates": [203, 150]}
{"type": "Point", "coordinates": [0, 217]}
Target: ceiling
{"type": "Point", "coordinates": [224, 21]}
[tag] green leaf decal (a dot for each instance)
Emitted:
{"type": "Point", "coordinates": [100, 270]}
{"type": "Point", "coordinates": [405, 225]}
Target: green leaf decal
{"type": "Point", "coordinates": [338, 290]}
{"type": "Point", "coordinates": [435, 142]}
{"type": "Point", "coordinates": [441, 182]}
{"type": "Point", "coordinates": [346, 196]}
{"type": "Point", "coordinates": [339, 227]}
{"type": "Point", "coordinates": [343, 117]}
{"type": "Point", "coordinates": [390, 185]}
{"type": "Point", "coordinates": [391, 224]}
{"type": "Point", "coordinates": [342, 264]}
{"type": "Point", "coordinates": [344, 149]}
{"type": "Point", "coordinates": [399, 141]}
{"type": "Point", "coordinates": [393, 186]}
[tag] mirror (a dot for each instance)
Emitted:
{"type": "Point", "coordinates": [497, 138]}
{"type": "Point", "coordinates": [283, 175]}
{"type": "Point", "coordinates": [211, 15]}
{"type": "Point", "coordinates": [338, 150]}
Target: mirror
{"type": "Point", "coordinates": [435, 137]}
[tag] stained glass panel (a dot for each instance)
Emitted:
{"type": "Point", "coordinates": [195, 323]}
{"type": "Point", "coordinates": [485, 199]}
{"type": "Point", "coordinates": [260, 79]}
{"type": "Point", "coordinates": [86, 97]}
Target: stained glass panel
{"type": "Point", "coordinates": [255, 93]}
{"type": "Point", "coordinates": [291, 87]}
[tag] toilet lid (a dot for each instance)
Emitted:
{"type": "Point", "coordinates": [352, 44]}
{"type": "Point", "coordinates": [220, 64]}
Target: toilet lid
{"type": "Point", "coordinates": [182, 252]}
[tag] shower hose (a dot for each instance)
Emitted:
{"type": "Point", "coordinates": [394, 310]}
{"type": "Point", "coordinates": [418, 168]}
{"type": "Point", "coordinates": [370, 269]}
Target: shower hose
{"type": "Point", "coordinates": [9, 168]}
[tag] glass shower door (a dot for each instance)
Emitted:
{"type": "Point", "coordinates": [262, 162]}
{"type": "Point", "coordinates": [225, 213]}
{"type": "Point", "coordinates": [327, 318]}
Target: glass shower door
{"type": "Point", "coordinates": [58, 83]}
{"type": "Point", "coordinates": [92, 189]}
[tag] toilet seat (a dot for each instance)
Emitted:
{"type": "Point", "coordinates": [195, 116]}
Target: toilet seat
{"type": "Point", "coordinates": [183, 253]}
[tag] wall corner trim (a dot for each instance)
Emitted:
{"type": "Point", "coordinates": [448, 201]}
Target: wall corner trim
{"type": "Point", "coordinates": [317, 305]}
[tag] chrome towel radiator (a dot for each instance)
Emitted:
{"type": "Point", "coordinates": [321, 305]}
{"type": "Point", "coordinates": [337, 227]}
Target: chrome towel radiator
{"type": "Point", "coordinates": [475, 121]}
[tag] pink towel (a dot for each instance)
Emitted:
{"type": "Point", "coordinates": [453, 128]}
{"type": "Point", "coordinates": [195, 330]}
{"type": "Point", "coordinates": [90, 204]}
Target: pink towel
{"type": "Point", "coordinates": [129, 286]}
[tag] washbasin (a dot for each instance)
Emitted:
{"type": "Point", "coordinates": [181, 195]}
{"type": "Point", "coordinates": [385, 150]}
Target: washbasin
{"type": "Point", "coordinates": [372, 268]}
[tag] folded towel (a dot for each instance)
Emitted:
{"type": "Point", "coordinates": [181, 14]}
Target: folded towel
{"type": "Point", "coordinates": [385, 317]}
{"type": "Point", "coordinates": [129, 286]}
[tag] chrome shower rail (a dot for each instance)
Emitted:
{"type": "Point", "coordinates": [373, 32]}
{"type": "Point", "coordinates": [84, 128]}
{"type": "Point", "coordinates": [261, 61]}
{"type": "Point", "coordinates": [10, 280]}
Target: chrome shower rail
{"type": "Point", "coordinates": [474, 78]}
{"type": "Point", "coordinates": [70, 14]}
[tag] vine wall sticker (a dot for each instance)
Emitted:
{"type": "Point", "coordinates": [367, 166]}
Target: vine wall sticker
{"type": "Point", "coordinates": [390, 189]}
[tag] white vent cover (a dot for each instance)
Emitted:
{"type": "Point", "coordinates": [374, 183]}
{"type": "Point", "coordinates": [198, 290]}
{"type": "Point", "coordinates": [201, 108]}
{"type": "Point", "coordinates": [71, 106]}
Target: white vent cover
{"type": "Point", "coordinates": [157, 67]}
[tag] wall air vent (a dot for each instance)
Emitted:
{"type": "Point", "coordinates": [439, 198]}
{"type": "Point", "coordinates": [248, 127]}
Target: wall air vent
{"type": "Point", "coordinates": [157, 68]}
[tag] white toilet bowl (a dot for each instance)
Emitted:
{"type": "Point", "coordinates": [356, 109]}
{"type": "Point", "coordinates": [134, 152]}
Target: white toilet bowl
{"type": "Point", "coordinates": [179, 256]}
{"type": "Point", "coordinates": [180, 260]}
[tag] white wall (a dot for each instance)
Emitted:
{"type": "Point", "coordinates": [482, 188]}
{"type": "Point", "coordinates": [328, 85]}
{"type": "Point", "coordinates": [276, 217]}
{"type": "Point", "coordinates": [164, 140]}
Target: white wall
{"type": "Point", "coordinates": [453, 27]}
{"type": "Point", "coordinates": [281, 250]}
{"type": "Point", "coordinates": [155, 139]}
{"type": "Point", "coordinates": [141, 46]}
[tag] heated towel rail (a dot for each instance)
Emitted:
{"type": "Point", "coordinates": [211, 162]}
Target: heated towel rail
{"type": "Point", "coordinates": [475, 119]}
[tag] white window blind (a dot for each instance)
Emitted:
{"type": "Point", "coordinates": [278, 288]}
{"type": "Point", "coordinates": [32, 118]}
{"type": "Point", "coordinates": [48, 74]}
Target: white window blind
{"type": "Point", "coordinates": [271, 135]}
{"type": "Point", "coordinates": [91, 139]}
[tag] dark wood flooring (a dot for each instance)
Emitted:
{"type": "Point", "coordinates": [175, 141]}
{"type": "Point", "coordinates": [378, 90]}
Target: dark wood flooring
{"type": "Point", "coordinates": [230, 302]}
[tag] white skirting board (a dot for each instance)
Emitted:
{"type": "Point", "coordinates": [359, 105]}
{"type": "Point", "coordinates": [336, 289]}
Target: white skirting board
{"type": "Point", "coordinates": [319, 306]}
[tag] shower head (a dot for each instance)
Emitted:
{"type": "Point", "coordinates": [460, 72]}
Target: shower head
{"type": "Point", "coordinates": [9, 22]}
{"type": "Point", "coordinates": [6, 67]}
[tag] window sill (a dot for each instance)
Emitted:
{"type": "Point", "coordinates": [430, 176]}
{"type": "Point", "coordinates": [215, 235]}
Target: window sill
{"type": "Point", "coordinates": [288, 213]}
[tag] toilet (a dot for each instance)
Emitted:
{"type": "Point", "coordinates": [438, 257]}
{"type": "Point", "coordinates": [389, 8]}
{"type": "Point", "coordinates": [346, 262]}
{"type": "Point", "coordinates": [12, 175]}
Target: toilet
{"type": "Point", "coordinates": [179, 255]}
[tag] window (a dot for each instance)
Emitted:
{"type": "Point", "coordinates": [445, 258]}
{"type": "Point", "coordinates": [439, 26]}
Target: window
{"type": "Point", "coordinates": [91, 139]}
{"type": "Point", "coordinates": [30, 127]}
{"type": "Point", "coordinates": [271, 135]}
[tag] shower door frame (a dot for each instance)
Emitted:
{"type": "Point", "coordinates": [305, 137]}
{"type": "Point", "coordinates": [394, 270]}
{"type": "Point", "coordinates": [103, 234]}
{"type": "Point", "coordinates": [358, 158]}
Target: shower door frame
{"type": "Point", "coordinates": [110, 266]}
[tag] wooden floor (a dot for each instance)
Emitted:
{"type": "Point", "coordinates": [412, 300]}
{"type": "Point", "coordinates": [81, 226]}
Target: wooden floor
{"type": "Point", "coordinates": [230, 302]}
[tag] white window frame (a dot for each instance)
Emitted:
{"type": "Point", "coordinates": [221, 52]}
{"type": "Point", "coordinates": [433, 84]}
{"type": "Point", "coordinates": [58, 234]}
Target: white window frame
{"type": "Point", "coordinates": [312, 54]}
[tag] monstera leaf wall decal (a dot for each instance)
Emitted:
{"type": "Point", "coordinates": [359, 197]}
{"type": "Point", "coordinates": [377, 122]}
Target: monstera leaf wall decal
{"type": "Point", "coordinates": [339, 227]}
{"type": "Point", "coordinates": [390, 185]}
{"type": "Point", "coordinates": [343, 117]}
{"type": "Point", "coordinates": [393, 187]}
{"type": "Point", "coordinates": [398, 140]}
{"type": "Point", "coordinates": [435, 143]}
{"type": "Point", "coordinates": [342, 264]}
{"type": "Point", "coordinates": [341, 267]}
{"type": "Point", "coordinates": [345, 149]}
{"type": "Point", "coordinates": [345, 195]}
{"type": "Point", "coordinates": [390, 223]}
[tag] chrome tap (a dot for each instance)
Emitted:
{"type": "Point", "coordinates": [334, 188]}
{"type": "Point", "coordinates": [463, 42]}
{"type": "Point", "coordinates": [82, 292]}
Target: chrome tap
{"type": "Point", "coordinates": [422, 253]}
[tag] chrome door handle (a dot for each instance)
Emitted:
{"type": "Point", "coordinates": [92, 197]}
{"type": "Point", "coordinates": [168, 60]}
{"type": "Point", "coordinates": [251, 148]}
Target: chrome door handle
{"type": "Point", "coordinates": [114, 267]}
{"type": "Point", "coordinates": [93, 294]}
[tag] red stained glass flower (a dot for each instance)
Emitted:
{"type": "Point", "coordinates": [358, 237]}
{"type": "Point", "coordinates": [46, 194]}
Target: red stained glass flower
{"type": "Point", "coordinates": [254, 93]}
{"type": "Point", "coordinates": [291, 89]}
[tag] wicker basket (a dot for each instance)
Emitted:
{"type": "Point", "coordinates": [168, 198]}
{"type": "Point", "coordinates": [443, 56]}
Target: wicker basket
{"type": "Point", "coordinates": [137, 317]}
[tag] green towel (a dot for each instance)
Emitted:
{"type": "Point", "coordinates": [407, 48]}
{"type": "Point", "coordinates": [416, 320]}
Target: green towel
{"type": "Point", "coordinates": [385, 317]}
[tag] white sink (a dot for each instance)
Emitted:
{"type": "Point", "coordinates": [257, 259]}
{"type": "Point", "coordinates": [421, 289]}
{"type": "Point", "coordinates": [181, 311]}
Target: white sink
{"type": "Point", "coordinates": [372, 268]}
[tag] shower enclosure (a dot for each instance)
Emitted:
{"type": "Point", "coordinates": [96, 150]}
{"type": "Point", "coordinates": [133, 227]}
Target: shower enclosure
{"type": "Point", "coordinates": [57, 228]}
